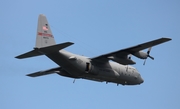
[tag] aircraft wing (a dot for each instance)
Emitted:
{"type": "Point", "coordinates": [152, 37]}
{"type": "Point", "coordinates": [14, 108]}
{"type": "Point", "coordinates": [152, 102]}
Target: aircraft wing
{"type": "Point", "coordinates": [123, 53]}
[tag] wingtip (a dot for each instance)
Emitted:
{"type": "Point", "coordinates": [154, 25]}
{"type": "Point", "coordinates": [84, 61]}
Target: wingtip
{"type": "Point", "coordinates": [30, 75]}
{"type": "Point", "coordinates": [168, 39]}
{"type": "Point", "coordinates": [17, 57]}
{"type": "Point", "coordinates": [71, 43]}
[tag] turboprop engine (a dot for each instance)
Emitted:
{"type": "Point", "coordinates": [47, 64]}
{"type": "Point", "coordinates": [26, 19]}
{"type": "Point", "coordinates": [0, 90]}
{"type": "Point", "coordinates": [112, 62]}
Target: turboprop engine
{"type": "Point", "coordinates": [143, 55]}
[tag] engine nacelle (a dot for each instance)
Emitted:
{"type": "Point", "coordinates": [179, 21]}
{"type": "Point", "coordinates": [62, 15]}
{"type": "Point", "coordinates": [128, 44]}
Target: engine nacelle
{"type": "Point", "coordinates": [124, 61]}
{"type": "Point", "coordinates": [141, 55]}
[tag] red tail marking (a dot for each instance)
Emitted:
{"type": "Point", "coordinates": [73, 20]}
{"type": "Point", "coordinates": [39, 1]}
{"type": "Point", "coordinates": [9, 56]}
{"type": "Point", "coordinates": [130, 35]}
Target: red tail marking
{"type": "Point", "coordinates": [45, 34]}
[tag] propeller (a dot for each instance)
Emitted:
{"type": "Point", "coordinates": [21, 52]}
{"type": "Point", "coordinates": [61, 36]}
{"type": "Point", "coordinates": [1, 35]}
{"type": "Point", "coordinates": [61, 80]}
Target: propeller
{"type": "Point", "coordinates": [148, 52]}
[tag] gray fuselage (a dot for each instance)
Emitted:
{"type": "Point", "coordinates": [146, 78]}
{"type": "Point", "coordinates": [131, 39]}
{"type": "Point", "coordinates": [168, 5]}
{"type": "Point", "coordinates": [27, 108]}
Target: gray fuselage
{"type": "Point", "coordinates": [82, 67]}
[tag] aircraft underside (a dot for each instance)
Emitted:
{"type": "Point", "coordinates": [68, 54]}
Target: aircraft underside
{"type": "Point", "coordinates": [98, 68]}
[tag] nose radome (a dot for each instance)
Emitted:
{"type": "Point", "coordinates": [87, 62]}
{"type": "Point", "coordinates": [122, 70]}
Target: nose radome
{"type": "Point", "coordinates": [142, 80]}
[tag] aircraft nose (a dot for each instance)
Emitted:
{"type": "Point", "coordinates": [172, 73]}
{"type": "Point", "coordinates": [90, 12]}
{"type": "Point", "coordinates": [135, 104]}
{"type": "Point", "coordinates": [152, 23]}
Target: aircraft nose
{"type": "Point", "coordinates": [142, 80]}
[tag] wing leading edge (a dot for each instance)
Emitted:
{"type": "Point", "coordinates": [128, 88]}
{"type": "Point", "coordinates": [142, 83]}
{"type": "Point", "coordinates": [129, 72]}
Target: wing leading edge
{"type": "Point", "coordinates": [123, 53]}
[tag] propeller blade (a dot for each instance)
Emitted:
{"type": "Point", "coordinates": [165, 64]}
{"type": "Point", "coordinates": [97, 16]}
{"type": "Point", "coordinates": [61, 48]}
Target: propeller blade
{"type": "Point", "coordinates": [144, 62]}
{"type": "Point", "coordinates": [151, 57]}
{"type": "Point", "coordinates": [149, 50]}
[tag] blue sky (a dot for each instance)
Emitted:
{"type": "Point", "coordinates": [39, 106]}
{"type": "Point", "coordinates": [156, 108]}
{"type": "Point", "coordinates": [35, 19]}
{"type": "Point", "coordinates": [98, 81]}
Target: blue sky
{"type": "Point", "coordinates": [96, 27]}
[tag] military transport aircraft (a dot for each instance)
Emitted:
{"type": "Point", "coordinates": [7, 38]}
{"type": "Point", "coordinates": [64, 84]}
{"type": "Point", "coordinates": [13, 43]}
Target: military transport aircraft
{"type": "Point", "coordinates": [100, 68]}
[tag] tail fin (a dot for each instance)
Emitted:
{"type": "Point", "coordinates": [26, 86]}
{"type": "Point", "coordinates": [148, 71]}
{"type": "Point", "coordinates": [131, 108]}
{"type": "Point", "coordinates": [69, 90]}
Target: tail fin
{"type": "Point", "coordinates": [45, 42]}
{"type": "Point", "coordinates": [44, 36]}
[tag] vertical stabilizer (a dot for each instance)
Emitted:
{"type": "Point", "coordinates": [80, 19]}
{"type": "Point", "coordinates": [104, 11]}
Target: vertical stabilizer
{"type": "Point", "coordinates": [44, 35]}
{"type": "Point", "coordinates": [45, 43]}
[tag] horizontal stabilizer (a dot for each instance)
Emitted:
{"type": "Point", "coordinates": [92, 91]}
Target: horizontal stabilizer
{"type": "Point", "coordinates": [29, 54]}
{"type": "Point", "coordinates": [54, 48]}
{"type": "Point", "coordinates": [45, 72]}
{"type": "Point", "coordinates": [44, 50]}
